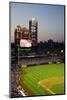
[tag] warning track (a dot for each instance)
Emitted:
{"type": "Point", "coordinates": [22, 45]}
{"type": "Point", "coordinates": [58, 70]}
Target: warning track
{"type": "Point", "coordinates": [48, 83]}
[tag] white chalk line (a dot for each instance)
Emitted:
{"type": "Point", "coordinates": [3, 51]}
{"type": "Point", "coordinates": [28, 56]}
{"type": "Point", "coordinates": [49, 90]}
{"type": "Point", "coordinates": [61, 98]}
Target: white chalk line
{"type": "Point", "coordinates": [21, 90]}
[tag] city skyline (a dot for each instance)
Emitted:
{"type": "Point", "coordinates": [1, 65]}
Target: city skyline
{"type": "Point", "coordinates": [50, 20]}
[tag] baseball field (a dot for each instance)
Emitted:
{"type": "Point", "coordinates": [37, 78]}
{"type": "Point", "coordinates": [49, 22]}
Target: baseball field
{"type": "Point", "coordinates": [43, 79]}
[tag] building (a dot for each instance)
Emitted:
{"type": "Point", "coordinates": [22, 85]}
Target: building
{"type": "Point", "coordinates": [17, 36]}
{"type": "Point", "coordinates": [21, 33]}
{"type": "Point", "coordinates": [33, 28]}
{"type": "Point", "coordinates": [26, 34]}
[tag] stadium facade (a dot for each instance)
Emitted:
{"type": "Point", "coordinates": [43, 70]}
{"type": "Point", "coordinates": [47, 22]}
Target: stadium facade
{"type": "Point", "coordinates": [28, 34]}
{"type": "Point", "coordinates": [21, 33]}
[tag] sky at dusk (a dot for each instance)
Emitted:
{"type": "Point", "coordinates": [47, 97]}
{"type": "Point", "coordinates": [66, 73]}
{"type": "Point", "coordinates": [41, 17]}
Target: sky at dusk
{"type": "Point", "coordinates": [50, 19]}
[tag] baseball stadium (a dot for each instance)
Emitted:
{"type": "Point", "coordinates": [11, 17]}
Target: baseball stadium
{"type": "Point", "coordinates": [43, 79]}
{"type": "Point", "coordinates": [37, 69]}
{"type": "Point", "coordinates": [37, 50]}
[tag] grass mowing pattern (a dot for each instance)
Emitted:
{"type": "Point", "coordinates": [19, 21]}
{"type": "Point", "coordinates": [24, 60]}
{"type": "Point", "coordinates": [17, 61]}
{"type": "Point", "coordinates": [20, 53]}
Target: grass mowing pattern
{"type": "Point", "coordinates": [39, 72]}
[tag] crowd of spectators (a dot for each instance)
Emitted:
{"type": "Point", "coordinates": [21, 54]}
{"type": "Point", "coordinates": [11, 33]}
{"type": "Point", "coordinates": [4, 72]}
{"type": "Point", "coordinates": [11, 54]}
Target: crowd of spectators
{"type": "Point", "coordinates": [14, 81]}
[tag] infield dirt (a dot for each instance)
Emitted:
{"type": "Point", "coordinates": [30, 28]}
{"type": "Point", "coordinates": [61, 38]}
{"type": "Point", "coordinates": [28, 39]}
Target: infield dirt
{"type": "Point", "coordinates": [48, 83]}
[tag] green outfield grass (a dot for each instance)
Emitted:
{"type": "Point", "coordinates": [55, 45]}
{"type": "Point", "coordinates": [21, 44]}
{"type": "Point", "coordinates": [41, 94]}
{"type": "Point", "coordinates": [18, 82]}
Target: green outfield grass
{"type": "Point", "coordinates": [34, 74]}
{"type": "Point", "coordinates": [58, 88]}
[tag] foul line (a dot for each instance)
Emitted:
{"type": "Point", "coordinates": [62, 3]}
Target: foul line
{"type": "Point", "coordinates": [47, 89]}
{"type": "Point", "coordinates": [21, 90]}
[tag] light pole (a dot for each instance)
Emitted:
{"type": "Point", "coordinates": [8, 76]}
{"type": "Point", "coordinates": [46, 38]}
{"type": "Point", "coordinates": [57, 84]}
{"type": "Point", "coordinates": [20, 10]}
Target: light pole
{"type": "Point", "coordinates": [18, 55]}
